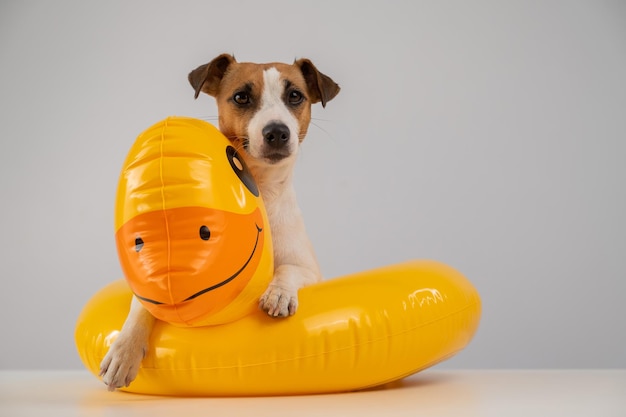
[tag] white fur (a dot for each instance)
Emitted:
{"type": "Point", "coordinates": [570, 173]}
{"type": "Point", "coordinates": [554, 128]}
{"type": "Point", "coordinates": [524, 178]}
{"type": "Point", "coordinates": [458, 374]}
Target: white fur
{"type": "Point", "coordinates": [294, 259]}
{"type": "Point", "coordinates": [272, 109]}
{"type": "Point", "coordinates": [121, 363]}
{"type": "Point", "coordinates": [295, 264]}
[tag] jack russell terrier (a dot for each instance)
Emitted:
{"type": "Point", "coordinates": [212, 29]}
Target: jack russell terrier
{"type": "Point", "coordinates": [264, 109]}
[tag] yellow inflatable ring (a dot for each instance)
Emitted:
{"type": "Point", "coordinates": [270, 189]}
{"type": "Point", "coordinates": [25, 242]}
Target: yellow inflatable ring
{"type": "Point", "coordinates": [349, 333]}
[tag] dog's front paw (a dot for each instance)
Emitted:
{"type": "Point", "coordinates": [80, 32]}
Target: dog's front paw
{"type": "Point", "coordinates": [279, 302]}
{"type": "Point", "coordinates": [121, 364]}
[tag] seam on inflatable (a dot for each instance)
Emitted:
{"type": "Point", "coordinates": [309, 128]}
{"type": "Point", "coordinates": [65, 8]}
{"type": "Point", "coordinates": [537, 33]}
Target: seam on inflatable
{"type": "Point", "coordinates": [163, 208]}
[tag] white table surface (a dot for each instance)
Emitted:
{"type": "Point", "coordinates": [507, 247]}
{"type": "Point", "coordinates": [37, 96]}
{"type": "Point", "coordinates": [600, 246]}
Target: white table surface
{"type": "Point", "coordinates": [432, 393]}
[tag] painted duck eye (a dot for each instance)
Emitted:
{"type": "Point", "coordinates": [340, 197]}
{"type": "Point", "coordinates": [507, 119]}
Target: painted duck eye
{"type": "Point", "coordinates": [138, 244]}
{"type": "Point", "coordinates": [242, 171]}
{"type": "Point", "coordinates": [205, 233]}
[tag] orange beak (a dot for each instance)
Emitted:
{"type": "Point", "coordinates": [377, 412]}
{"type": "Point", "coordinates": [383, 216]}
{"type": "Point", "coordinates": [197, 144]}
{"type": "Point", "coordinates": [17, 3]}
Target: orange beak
{"type": "Point", "coordinates": [190, 253]}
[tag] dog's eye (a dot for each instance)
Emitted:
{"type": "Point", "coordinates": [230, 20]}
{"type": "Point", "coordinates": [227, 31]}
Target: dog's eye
{"type": "Point", "coordinates": [295, 97]}
{"type": "Point", "coordinates": [241, 98]}
{"type": "Point", "coordinates": [138, 244]}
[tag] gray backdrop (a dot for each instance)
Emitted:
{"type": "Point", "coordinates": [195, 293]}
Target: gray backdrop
{"type": "Point", "coordinates": [489, 135]}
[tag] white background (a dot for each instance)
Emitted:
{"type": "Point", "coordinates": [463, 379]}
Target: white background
{"type": "Point", "coordinates": [488, 134]}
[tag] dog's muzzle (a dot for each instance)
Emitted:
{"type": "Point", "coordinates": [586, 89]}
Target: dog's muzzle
{"type": "Point", "coordinates": [276, 137]}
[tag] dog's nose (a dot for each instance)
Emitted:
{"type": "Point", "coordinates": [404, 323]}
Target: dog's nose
{"type": "Point", "coordinates": [276, 134]}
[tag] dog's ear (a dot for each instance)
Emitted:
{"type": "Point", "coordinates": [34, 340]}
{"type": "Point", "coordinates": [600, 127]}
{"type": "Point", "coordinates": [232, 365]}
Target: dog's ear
{"type": "Point", "coordinates": [321, 87]}
{"type": "Point", "coordinates": [207, 77]}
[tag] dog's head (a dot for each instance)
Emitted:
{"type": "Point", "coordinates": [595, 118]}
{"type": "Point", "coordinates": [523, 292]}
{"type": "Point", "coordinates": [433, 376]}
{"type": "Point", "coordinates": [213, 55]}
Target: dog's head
{"type": "Point", "coordinates": [264, 108]}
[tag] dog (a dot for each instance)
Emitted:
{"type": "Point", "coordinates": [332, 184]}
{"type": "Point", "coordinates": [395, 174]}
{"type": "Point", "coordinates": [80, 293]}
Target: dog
{"type": "Point", "coordinates": [264, 110]}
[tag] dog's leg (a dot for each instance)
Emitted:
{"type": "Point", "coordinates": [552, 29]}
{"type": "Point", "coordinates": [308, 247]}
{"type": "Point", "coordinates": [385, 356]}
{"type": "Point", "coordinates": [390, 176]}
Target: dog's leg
{"type": "Point", "coordinates": [281, 297]}
{"type": "Point", "coordinates": [295, 264]}
{"type": "Point", "coordinates": [121, 364]}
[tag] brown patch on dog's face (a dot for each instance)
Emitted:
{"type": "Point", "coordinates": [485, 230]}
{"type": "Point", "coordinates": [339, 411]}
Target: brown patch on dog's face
{"type": "Point", "coordinates": [238, 98]}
